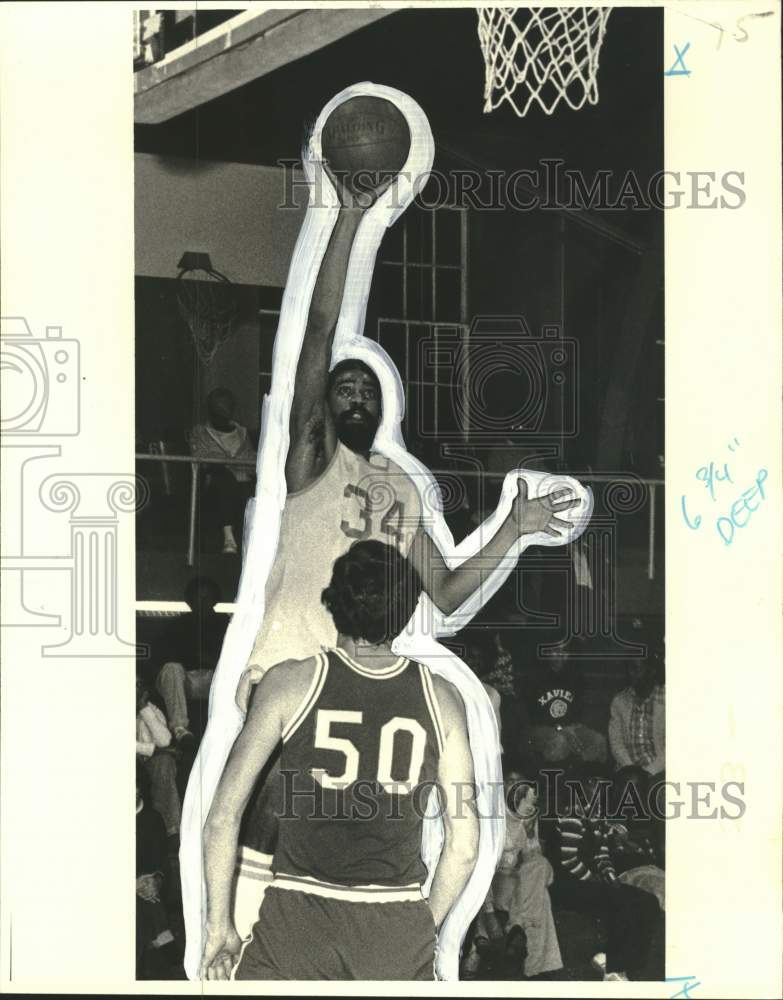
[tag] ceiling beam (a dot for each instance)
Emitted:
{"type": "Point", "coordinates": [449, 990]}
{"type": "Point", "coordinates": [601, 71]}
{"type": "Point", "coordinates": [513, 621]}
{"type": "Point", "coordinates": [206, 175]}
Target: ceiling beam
{"type": "Point", "coordinates": [242, 49]}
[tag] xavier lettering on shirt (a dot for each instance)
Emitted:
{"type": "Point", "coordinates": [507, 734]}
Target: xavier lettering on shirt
{"type": "Point", "coordinates": [558, 700]}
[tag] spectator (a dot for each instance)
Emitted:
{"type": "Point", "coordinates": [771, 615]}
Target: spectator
{"type": "Point", "coordinates": [480, 657]}
{"type": "Point", "coordinates": [192, 652]}
{"type": "Point", "coordinates": [637, 738]}
{"type": "Point", "coordinates": [227, 488]}
{"type": "Point", "coordinates": [502, 676]}
{"type": "Point", "coordinates": [637, 720]}
{"type": "Point", "coordinates": [579, 843]}
{"type": "Point", "coordinates": [157, 954]}
{"type": "Point", "coordinates": [153, 738]}
{"type": "Point", "coordinates": [517, 908]}
{"type": "Point", "coordinates": [554, 696]}
{"type": "Point", "coordinates": [500, 673]}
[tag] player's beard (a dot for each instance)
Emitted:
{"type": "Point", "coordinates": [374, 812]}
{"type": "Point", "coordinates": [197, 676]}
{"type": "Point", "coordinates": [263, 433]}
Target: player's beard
{"type": "Point", "coordinates": [358, 435]}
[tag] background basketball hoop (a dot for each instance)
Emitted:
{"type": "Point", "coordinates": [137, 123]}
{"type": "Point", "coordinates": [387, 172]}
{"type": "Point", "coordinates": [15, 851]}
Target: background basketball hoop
{"type": "Point", "coordinates": [207, 302]}
{"type": "Point", "coordinates": [541, 55]}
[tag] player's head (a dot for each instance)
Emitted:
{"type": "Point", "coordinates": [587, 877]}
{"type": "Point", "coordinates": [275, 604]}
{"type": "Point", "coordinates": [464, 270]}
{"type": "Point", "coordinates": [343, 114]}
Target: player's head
{"type": "Point", "coordinates": [373, 592]}
{"type": "Point", "coordinates": [354, 399]}
{"type": "Point", "coordinates": [221, 404]}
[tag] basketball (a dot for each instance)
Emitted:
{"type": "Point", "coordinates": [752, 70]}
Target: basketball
{"type": "Point", "coordinates": [365, 141]}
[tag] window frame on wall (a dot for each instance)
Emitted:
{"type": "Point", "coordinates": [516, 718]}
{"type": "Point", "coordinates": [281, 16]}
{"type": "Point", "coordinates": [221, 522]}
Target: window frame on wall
{"type": "Point", "coordinates": [435, 324]}
{"type": "Point", "coordinates": [410, 263]}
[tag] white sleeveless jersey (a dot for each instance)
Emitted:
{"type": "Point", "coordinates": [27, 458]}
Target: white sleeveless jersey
{"type": "Point", "coordinates": [353, 499]}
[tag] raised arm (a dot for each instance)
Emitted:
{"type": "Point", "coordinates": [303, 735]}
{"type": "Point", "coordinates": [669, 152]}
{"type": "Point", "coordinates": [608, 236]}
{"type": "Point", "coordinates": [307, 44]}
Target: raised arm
{"type": "Point", "coordinates": [458, 806]}
{"type": "Point", "coordinates": [313, 438]}
{"type": "Point", "coordinates": [449, 589]}
{"type": "Point", "coordinates": [279, 694]}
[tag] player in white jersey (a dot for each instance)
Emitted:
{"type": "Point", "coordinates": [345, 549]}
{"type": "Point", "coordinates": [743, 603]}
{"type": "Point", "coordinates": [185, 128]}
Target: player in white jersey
{"type": "Point", "coordinates": [339, 491]}
{"type": "Point", "coordinates": [357, 497]}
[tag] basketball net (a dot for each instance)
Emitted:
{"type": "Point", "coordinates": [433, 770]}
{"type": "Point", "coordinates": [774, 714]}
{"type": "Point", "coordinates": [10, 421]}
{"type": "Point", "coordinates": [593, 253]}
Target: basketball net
{"type": "Point", "coordinates": [208, 305]}
{"type": "Point", "coordinates": [547, 54]}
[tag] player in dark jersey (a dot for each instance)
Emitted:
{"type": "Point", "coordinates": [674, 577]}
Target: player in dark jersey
{"type": "Point", "coordinates": [367, 737]}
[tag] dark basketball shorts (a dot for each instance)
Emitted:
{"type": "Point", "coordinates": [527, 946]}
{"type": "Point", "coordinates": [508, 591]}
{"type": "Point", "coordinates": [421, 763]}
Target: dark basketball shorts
{"type": "Point", "coordinates": [301, 935]}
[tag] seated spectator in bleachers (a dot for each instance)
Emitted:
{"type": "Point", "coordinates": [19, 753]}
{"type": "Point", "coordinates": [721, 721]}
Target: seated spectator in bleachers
{"type": "Point", "coordinates": [500, 667]}
{"type": "Point", "coordinates": [554, 698]}
{"type": "Point", "coordinates": [503, 676]}
{"type": "Point", "coordinates": [153, 739]}
{"type": "Point", "coordinates": [517, 913]}
{"type": "Point", "coordinates": [192, 649]}
{"type": "Point", "coordinates": [227, 488]}
{"type": "Point", "coordinates": [479, 657]}
{"type": "Point", "coordinates": [157, 954]}
{"type": "Point", "coordinates": [637, 720]}
{"type": "Point", "coordinates": [638, 846]}
{"type": "Point", "coordinates": [637, 739]}
{"type": "Point", "coordinates": [580, 848]}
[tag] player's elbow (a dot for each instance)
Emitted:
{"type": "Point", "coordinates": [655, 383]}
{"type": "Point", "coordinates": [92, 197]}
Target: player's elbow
{"type": "Point", "coordinates": [466, 852]}
{"type": "Point", "coordinates": [446, 595]}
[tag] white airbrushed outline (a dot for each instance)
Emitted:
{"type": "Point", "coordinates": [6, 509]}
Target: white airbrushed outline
{"type": "Point", "coordinates": [428, 624]}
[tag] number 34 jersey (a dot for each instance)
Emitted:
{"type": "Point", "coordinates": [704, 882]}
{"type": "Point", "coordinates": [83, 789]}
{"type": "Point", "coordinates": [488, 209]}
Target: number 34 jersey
{"type": "Point", "coordinates": [353, 499]}
{"type": "Point", "coordinates": [359, 763]}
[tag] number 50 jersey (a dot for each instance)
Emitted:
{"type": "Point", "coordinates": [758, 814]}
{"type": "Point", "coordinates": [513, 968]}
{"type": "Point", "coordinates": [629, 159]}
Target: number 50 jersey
{"type": "Point", "coordinates": [359, 762]}
{"type": "Point", "coordinates": [353, 499]}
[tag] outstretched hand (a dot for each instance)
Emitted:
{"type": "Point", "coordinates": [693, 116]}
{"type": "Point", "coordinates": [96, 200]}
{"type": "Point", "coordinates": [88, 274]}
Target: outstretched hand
{"type": "Point", "coordinates": [539, 514]}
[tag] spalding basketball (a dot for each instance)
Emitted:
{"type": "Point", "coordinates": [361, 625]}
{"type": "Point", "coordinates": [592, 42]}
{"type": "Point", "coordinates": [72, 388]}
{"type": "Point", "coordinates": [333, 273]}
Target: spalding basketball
{"type": "Point", "coordinates": [365, 141]}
